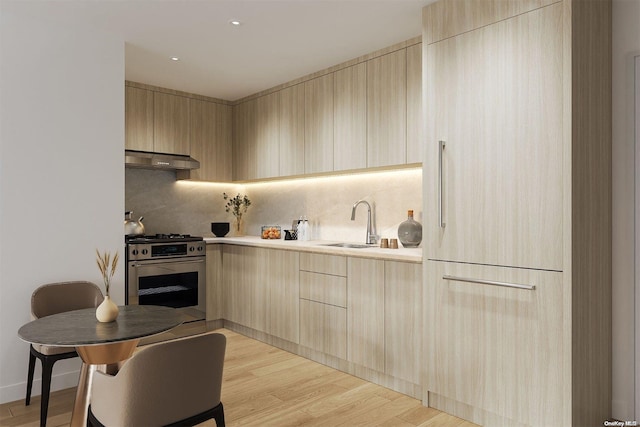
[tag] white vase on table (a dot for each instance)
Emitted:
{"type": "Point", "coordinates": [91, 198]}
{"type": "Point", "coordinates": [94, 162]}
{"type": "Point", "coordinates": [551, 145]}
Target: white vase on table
{"type": "Point", "coordinates": [107, 311]}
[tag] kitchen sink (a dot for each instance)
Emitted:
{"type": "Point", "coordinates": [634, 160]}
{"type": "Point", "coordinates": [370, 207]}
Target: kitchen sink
{"type": "Point", "coordinates": [349, 245]}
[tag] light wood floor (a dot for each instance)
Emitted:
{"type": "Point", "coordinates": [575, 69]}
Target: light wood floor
{"type": "Point", "coordinates": [266, 386]}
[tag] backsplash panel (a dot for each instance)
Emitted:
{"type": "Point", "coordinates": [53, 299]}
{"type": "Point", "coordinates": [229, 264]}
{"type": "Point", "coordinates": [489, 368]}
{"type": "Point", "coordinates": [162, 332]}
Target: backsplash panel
{"type": "Point", "coordinates": [189, 207]}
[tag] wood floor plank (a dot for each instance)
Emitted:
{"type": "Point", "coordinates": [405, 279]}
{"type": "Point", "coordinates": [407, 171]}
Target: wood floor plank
{"type": "Point", "coordinates": [264, 386]}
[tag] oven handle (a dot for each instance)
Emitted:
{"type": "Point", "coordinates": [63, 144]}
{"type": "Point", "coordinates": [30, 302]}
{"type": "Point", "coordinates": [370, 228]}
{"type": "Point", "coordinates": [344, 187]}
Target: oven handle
{"type": "Point", "coordinates": [141, 264]}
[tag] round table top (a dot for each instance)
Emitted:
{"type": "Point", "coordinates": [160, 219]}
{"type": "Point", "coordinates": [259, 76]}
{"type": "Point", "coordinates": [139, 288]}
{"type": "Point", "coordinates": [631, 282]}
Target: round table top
{"type": "Point", "coordinates": [80, 327]}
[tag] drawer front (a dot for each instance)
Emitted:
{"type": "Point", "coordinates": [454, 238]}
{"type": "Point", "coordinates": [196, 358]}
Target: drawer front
{"type": "Point", "coordinates": [323, 288]}
{"type": "Point", "coordinates": [496, 347]}
{"type": "Point", "coordinates": [323, 328]}
{"type": "Point", "coordinates": [321, 263]}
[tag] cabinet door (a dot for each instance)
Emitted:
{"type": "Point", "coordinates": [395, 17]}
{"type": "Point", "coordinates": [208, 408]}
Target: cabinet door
{"type": "Point", "coordinates": [214, 292]}
{"type": "Point", "coordinates": [279, 271]}
{"type": "Point", "coordinates": [170, 124]}
{"type": "Point", "coordinates": [496, 348]}
{"type": "Point", "coordinates": [414, 104]}
{"type": "Point", "coordinates": [292, 131]}
{"type": "Point", "coordinates": [323, 328]}
{"type": "Point", "coordinates": [267, 134]}
{"type": "Point", "coordinates": [243, 155]}
{"type": "Point", "coordinates": [387, 110]}
{"type": "Point", "coordinates": [138, 119]}
{"type": "Point", "coordinates": [350, 118]}
{"type": "Point", "coordinates": [495, 99]}
{"type": "Point", "coordinates": [403, 320]}
{"type": "Point", "coordinates": [318, 124]}
{"type": "Point", "coordinates": [238, 272]}
{"type": "Point", "coordinates": [210, 140]}
{"type": "Point", "coordinates": [365, 308]}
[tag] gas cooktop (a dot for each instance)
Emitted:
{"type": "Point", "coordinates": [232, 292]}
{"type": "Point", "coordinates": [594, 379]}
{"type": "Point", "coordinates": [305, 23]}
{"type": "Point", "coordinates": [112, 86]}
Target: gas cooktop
{"type": "Point", "coordinates": [163, 238]}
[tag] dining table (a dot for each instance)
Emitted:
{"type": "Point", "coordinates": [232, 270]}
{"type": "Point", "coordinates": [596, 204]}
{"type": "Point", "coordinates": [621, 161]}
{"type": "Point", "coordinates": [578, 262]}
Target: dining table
{"type": "Point", "coordinates": [100, 345]}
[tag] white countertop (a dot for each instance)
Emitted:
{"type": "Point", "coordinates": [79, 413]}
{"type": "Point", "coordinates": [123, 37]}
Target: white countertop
{"type": "Point", "coordinates": [319, 246]}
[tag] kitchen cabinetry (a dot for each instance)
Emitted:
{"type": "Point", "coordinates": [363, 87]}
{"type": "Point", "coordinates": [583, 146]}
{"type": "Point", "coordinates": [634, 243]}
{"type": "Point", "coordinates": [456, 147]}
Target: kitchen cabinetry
{"type": "Point", "coordinates": [414, 104]}
{"type": "Point", "coordinates": [366, 312]}
{"type": "Point", "coordinates": [403, 320]}
{"type": "Point", "coordinates": [257, 132]}
{"type": "Point", "coordinates": [323, 303]}
{"type": "Point", "coordinates": [170, 123]}
{"type": "Point", "coordinates": [519, 192]}
{"type": "Point", "coordinates": [214, 282]}
{"type": "Point", "coordinates": [210, 140]}
{"type": "Point", "coordinates": [292, 131]}
{"type": "Point", "coordinates": [261, 290]}
{"type": "Point", "coordinates": [318, 124]}
{"type": "Point", "coordinates": [138, 119]}
{"type": "Point", "coordinates": [387, 110]}
{"type": "Point", "coordinates": [498, 349]}
{"type": "Point", "coordinates": [502, 170]}
{"type": "Point", "coordinates": [350, 118]}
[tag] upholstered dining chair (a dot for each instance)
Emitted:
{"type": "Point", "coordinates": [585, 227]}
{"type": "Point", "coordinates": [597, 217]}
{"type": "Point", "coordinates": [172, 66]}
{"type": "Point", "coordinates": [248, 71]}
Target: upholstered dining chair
{"type": "Point", "coordinates": [172, 383]}
{"type": "Point", "coordinates": [51, 299]}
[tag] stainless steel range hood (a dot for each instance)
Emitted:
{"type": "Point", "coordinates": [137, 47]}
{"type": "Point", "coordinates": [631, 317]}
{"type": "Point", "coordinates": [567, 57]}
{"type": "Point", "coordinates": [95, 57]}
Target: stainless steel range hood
{"type": "Point", "coordinates": [147, 160]}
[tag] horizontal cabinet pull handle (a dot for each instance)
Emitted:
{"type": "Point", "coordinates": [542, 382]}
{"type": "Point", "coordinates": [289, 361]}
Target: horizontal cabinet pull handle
{"type": "Point", "coordinates": [490, 282]}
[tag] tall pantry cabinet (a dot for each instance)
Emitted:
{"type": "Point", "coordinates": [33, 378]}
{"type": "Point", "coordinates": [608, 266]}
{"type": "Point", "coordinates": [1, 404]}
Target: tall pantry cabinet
{"type": "Point", "coordinates": [517, 176]}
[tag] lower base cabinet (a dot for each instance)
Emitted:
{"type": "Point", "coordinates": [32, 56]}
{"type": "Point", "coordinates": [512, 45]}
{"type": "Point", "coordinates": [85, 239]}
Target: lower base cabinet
{"type": "Point", "coordinates": [261, 290]}
{"type": "Point", "coordinates": [323, 327]}
{"type": "Point", "coordinates": [497, 353]}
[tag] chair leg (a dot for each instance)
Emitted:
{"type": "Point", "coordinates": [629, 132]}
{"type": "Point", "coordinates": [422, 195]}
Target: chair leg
{"type": "Point", "coordinates": [32, 367]}
{"type": "Point", "coordinates": [218, 415]}
{"type": "Point", "coordinates": [47, 370]}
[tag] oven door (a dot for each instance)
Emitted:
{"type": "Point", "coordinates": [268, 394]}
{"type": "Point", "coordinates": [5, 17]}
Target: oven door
{"type": "Point", "coordinates": [178, 283]}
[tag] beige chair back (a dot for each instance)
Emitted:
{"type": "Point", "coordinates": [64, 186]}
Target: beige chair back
{"type": "Point", "coordinates": [162, 383]}
{"type": "Point", "coordinates": [59, 297]}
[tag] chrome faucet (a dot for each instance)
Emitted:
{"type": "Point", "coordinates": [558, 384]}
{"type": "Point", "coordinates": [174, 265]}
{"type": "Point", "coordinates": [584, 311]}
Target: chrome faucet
{"type": "Point", "coordinates": [371, 238]}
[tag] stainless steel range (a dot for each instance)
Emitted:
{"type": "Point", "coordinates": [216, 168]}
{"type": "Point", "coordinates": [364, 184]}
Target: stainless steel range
{"type": "Point", "coordinates": [167, 270]}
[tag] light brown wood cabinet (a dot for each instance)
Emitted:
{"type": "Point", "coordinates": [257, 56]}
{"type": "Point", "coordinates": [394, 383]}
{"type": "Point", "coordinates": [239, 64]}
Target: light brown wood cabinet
{"type": "Point", "coordinates": [415, 140]}
{"type": "Point", "coordinates": [318, 124]}
{"type": "Point", "coordinates": [494, 348]}
{"type": "Point", "coordinates": [387, 109]}
{"type": "Point", "coordinates": [502, 171]}
{"type": "Point", "coordinates": [261, 291]}
{"type": "Point", "coordinates": [323, 303]}
{"type": "Point", "coordinates": [365, 312]}
{"type": "Point", "coordinates": [170, 123]}
{"type": "Point", "coordinates": [292, 131]}
{"type": "Point", "coordinates": [210, 140]}
{"type": "Point", "coordinates": [214, 283]}
{"type": "Point", "coordinates": [138, 119]}
{"type": "Point", "coordinates": [520, 94]}
{"type": "Point", "coordinates": [403, 321]}
{"type": "Point", "coordinates": [350, 118]}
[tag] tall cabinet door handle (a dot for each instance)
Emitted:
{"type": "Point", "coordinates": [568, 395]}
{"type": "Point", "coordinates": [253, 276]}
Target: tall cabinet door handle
{"type": "Point", "coordinates": [441, 145]}
{"type": "Point", "coordinates": [489, 282]}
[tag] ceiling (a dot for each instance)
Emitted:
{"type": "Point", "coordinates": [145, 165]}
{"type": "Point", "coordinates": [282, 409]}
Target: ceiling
{"type": "Point", "coordinates": [277, 41]}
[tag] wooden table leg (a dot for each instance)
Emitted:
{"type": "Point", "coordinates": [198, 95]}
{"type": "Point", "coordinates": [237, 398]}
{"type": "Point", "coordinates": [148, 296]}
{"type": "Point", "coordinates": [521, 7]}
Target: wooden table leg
{"type": "Point", "coordinates": [81, 404]}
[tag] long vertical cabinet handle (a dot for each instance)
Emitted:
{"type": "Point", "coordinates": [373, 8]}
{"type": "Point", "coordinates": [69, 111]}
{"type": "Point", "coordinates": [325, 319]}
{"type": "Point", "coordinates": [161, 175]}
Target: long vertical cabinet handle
{"type": "Point", "coordinates": [489, 282]}
{"type": "Point", "coordinates": [440, 184]}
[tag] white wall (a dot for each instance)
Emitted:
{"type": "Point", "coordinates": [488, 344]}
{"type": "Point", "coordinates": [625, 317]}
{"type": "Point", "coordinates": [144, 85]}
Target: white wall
{"type": "Point", "coordinates": [626, 44]}
{"type": "Point", "coordinates": [61, 169]}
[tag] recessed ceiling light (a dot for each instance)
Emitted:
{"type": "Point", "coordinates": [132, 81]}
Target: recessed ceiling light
{"type": "Point", "coordinates": [235, 23]}
{"type": "Point", "coordinates": [175, 58]}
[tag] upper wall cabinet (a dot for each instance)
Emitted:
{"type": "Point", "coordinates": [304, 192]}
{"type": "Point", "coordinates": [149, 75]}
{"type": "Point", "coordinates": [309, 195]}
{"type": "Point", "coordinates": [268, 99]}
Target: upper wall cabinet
{"type": "Point", "coordinates": [170, 124]}
{"type": "Point", "coordinates": [387, 110]}
{"type": "Point", "coordinates": [318, 124]}
{"type": "Point", "coordinates": [210, 140]}
{"type": "Point", "coordinates": [158, 121]}
{"type": "Point", "coordinates": [138, 119]}
{"type": "Point", "coordinates": [350, 118]}
{"type": "Point", "coordinates": [364, 114]}
{"type": "Point", "coordinates": [414, 104]}
{"type": "Point", "coordinates": [292, 130]}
